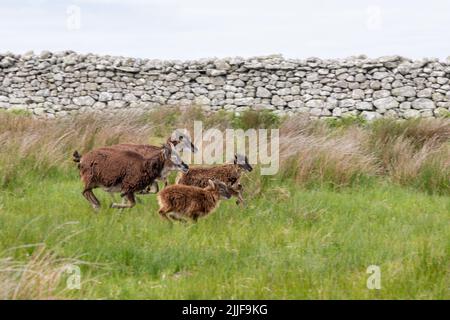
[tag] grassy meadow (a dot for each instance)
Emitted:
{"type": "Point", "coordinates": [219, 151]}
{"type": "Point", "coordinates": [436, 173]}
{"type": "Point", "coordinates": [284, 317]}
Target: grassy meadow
{"type": "Point", "coordinates": [349, 194]}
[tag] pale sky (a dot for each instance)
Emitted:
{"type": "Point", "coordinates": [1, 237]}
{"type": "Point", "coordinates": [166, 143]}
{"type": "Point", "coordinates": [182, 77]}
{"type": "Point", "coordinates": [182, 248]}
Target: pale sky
{"type": "Point", "coordinates": [191, 29]}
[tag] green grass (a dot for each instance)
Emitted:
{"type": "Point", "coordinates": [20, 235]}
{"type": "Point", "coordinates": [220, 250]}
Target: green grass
{"type": "Point", "coordinates": [288, 243]}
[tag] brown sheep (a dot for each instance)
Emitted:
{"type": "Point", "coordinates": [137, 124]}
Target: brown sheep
{"type": "Point", "coordinates": [230, 174]}
{"type": "Point", "coordinates": [147, 150]}
{"type": "Point", "coordinates": [123, 171]}
{"type": "Point", "coordinates": [180, 201]}
{"type": "Point", "coordinates": [236, 190]}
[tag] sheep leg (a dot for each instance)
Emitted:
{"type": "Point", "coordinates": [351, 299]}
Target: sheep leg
{"type": "Point", "coordinates": [154, 187]}
{"type": "Point", "coordinates": [130, 203]}
{"type": "Point", "coordinates": [177, 217]}
{"type": "Point", "coordinates": [125, 201]}
{"type": "Point", "coordinates": [240, 200]}
{"type": "Point", "coordinates": [90, 196]}
{"type": "Point", "coordinates": [163, 213]}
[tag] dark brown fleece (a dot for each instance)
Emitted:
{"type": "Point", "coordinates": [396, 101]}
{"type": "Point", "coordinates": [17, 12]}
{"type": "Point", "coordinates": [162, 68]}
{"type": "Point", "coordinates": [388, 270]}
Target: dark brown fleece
{"type": "Point", "coordinates": [191, 202]}
{"type": "Point", "coordinates": [199, 176]}
{"type": "Point", "coordinates": [127, 170]}
{"type": "Point", "coordinates": [146, 150]}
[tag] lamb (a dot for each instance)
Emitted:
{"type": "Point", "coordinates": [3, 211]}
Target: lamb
{"type": "Point", "coordinates": [181, 202]}
{"type": "Point", "coordinates": [124, 171]}
{"type": "Point", "coordinates": [229, 174]}
{"type": "Point", "coordinates": [147, 150]}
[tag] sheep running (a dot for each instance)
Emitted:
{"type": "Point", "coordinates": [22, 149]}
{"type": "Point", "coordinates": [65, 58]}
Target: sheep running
{"type": "Point", "coordinates": [124, 171]}
{"type": "Point", "coordinates": [230, 174]}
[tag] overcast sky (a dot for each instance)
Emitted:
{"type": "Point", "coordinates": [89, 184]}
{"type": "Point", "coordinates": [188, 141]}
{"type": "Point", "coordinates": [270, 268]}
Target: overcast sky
{"type": "Point", "coordinates": [189, 29]}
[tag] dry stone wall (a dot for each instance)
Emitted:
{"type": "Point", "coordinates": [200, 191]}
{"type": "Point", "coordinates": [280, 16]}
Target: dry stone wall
{"type": "Point", "coordinates": [57, 84]}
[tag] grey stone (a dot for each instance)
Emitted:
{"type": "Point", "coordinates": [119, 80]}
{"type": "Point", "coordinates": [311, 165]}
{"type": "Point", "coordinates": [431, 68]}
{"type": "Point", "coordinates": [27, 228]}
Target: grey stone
{"type": "Point", "coordinates": [222, 65]}
{"type": "Point", "coordinates": [202, 100]}
{"type": "Point", "coordinates": [129, 97]}
{"type": "Point", "coordinates": [347, 103]}
{"type": "Point", "coordinates": [4, 105]}
{"type": "Point", "coordinates": [411, 113]}
{"type": "Point", "coordinates": [375, 85]}
{"type": "Point", "coordinates": [203, 80]}
{"type": "Point", "coordinates": [278, 101]}
{"type": "Point", "coordinates": [406, 91]}
{"type": "Point", "coordinates": [312, 77]}
{"type": "Point", "coordinates": [425, 93]}
{"type": "Point", "coordinates": [370, 116]}
{"type": "Point", "coordinates": [105, 96]}
{"type": "Point", "coordinates": [381, 94]}
{"type": "Point", "coordinates": [380, 75]}
{"type": "Point", "coordinates": [262, 92]}
{"type": "Point", "coordinates": [315, 103]}
{"type": "Point", "coordinates": [243, 101]}
{"type": "Point", "coordinates": [386, 103]}
{"type": "Point", "coordinates": [65, 83]}
{"type": "Point", "coordinates": [199, 91]}
{"type": "Point", "coordinates": [215, 72]}
{"type": "Point", "coordinates": [405, 105]}
{"type": "Point", "coordinates": [83, 101]}
{"type": "Point", "coordinates": [437, 96]}
{"type": "Point", "coordinates": [423, 103]}
{"type": "Point", "coordinates": [127, 69]}
{"type": "Point", "coordinates": [296, 104]}
{"type": "Point", "coordinates": [284, 92]}
{"type": "Point", "coordinates": [315, 112]}
{"type": "Point", "coordinates": [341, 84]}
{"type": "Point", "coordinates": [360, 77]}
{"type": "Point", "coordinates": [116, 104]}
{"type": "Point", "coordinates": [39, 111]}
{"type": "Point", "coordinates": [363, 105]}
{"type": "Point", "coordinates": [358, 94]}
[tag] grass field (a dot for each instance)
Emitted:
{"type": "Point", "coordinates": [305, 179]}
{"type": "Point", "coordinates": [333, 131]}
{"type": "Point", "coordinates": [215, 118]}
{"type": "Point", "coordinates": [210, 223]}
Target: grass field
{"type": "Point", "coordinates": [309, 232]}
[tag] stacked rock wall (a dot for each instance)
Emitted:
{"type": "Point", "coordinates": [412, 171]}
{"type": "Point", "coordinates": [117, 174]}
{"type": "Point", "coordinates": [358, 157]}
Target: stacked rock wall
{"type": "Point", "coordinates": [57, 84]}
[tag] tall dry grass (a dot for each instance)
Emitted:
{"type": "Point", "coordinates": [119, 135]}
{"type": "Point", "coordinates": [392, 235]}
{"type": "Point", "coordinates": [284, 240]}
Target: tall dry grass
{"type": "Point", "coordinates": [312, 153]}
{"type": "Point", "coordinates": [412, 152]}
{"type": "Point", "coordinates": [40, 277]}
{"type": "Point", "coordinates": [30, 146]}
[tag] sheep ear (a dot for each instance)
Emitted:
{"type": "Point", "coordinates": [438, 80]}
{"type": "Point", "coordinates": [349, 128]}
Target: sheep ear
{"type": "Point", "coordinates": [168, 146]}
{"type": "Point", "coordinates": [211, 183]}
{"type": "Point", "coordinates": [166, 152]}
{"type": "Point", "coordinates": [170, 141]}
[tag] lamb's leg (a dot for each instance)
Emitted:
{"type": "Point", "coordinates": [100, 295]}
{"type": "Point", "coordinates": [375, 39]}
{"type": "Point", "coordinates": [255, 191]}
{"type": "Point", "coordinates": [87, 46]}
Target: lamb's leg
{"type": "Point", "coordinates": [125, 200]}
{"type": "Point", "coordinates": [90, 196]}
{"type": "Point", "coordinates": [177, 217]}
{"type": "Point", "coordinates": [163, 213]}
{"type": "Point", "coordinates": [113, 196]}
{"type": "Point", "coordinates": [130, 204]}
{"type": "Point", "coordinates": [154, 187]}
{"type": "Point", "coordinates": [240, 200]}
